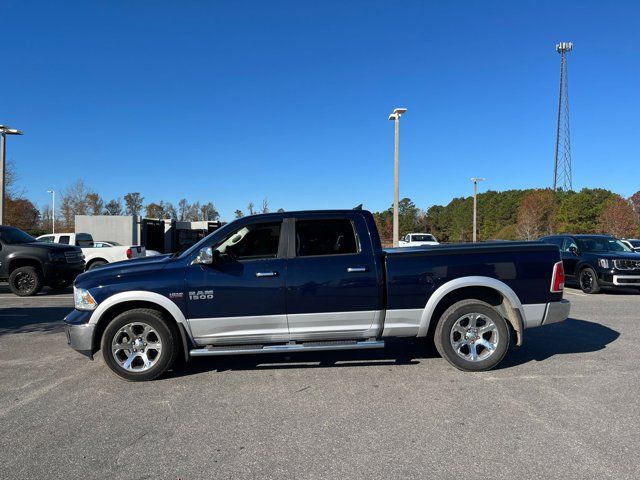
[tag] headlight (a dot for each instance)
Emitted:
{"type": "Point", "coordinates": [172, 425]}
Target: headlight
{"type": "Point", "coordinates": [603, 262]}
{"type": "Point", "coordinates": [57, 257]}
{"type": "Point", "coordinates": [83, 299]}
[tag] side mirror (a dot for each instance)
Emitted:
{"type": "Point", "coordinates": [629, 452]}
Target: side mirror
{"type": "Point", "coordinates": [573, 249]}
{"type": "Point", "coordinates": [206, 256]}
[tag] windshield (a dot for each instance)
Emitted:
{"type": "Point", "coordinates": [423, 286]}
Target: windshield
{"type": "Point", "coordinates": [601, 245]}
{"type": "Point", "coordinates": [14, 236]}
{"type": "Point", "coordinates": [422, 238]}
{"type": "Point", "coordinates": [634, 243]}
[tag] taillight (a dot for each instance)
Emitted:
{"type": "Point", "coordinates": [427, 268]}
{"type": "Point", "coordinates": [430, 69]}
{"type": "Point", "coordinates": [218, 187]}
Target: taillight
{"type": "Point", "coordinates": [130, 254]}
{"type": "Point", "coordinates": [557, 280]}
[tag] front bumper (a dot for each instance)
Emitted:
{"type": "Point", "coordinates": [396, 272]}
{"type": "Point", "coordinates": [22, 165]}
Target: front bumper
{"type": "Point", "coordinates": [62, 271]}
{"type": "Point", "coordinates": [626, 280]}
{"type": "Point", "coordinates": [618, 278]}
{"type": "Point", "coordinates": [80, 333]}
{"type": "Point", "coordinates": [557, 312]}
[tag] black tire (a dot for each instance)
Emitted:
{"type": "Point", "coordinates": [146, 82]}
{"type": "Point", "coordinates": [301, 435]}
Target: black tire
{"type": "Point", "coordinates": [447, 332]}
{"type": "Point", "coordinates": [96, 264]}
{"type": "Point", "coordinates": [588, 280]}
{"type": "Point", "coordinates": [167, 336]}
{"type": "Point", "coordinates": [26, 281]}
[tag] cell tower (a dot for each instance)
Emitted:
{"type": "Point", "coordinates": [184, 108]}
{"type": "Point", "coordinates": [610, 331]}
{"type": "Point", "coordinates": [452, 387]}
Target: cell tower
{"type": "Point", "coordinates": [562, 169]}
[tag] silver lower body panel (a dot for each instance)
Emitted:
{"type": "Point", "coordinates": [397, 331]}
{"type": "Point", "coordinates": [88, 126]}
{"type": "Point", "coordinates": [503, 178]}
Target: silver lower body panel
{"type": "Point", "coordinates": [295, 347]}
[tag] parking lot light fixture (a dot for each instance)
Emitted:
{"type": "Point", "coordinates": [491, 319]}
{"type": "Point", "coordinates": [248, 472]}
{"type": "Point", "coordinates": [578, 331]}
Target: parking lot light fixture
{"type": "Point", "coordinates": [475, 205]}
{"type": "Point", "coordinates": [53, 210]}
{"type": "Point", "coordinates": [4, 131]}
{"type": "Point", "coordinates": [395, 117]}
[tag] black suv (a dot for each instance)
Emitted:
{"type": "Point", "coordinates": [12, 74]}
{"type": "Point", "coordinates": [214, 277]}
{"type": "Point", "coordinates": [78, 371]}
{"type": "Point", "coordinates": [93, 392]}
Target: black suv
{"type": "Point", "coordinates": [28, 265]}
{"type": "Point", "coordinates": [595, 261]}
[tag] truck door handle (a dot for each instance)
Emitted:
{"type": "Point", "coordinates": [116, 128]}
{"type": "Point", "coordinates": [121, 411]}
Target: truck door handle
{"type": "Point", "coordinates": [357, 269]}
{"type": "Point", "coordinates": [266, 274]}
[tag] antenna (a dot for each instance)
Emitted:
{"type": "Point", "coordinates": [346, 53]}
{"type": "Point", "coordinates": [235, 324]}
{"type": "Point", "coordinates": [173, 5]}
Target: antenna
{"type": "Point", "coordinates": [562, 166]}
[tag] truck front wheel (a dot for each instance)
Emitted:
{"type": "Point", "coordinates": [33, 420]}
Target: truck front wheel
{"type": "Point", "coordinates": [139, 345]}
{"type": "Point", "coordinates": [472, 336]}
{"type": "Point", "coordinates": [25, 281]}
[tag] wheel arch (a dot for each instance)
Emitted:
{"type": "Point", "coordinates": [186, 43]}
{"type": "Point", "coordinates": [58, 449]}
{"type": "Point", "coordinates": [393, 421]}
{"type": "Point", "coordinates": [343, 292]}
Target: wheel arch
{"type": "Point", "coordinates": [17, 262]}
{"type": "Point", "coordinates": [121, 302]}
{"type": "Point", "coordinates": [94, 260]}
{"type": "Point", "coordinates": [491, 290]}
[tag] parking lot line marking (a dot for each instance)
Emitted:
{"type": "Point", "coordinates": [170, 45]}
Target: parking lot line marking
{"type": "Point", "coordinates": [578, 294]}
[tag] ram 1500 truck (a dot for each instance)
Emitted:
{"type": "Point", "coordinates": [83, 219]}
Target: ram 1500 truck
{"type": "Point", "coordinates": [304, 281]}
{"type": "Point", "coordinates": [28, 265]}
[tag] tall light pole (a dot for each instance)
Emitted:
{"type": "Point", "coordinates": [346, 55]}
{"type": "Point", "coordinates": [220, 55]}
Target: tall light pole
{"type": "Point", "coordinates": [395, 116]}
{"type": "Point", "coordinates": [53, 210]}
{"type": "Point", "coordinates": [475, 205]}
{"type": "Point", "coordinates": [4, 131]}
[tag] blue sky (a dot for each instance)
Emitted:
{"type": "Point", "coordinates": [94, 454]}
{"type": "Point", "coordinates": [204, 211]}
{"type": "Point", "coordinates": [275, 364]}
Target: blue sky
{"type": "Point", "coordinates": [238, 101]}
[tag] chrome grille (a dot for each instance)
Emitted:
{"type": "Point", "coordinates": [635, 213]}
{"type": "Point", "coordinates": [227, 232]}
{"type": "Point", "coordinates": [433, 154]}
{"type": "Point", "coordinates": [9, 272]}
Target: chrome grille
{"type": "Point", "coordinates": [627, 264]}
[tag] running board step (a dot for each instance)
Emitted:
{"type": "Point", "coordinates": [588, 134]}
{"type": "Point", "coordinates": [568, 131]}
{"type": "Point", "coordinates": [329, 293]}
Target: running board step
{"type": "Point", "coordinates": [290, 347]}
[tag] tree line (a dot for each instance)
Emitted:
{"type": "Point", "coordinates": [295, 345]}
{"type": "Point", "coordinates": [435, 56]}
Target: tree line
{"type": "Point", "coordinates": [519, 215]}
{"type": "Point", "coordinates": [80, 199]}
{"type": "Point", "coordinates": [507, 215]}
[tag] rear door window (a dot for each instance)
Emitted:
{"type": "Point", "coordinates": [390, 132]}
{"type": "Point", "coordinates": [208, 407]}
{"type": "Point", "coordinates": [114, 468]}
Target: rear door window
{"type": "Point", "coordinates": [64, 239]}
{"type": "Point", "coordinates": [325, 237]}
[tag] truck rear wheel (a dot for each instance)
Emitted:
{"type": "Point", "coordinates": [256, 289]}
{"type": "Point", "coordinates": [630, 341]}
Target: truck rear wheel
{"type": "Point", "coordinates": [25, 281]}
{"type": "Point", "coordinates": [96, 264]}
{"type": "Point", "coordinates": [138, 345]}
{"type": "Point", "coordinates": [472, 336]}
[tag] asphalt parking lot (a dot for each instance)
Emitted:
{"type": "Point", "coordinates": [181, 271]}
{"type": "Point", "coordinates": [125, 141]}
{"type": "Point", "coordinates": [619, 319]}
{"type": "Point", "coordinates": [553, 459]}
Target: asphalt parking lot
{"type": "Point", "coordinates": [565, 405]}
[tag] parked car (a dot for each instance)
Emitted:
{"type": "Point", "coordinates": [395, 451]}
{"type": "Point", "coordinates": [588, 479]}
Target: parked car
{"type": "Point", "coordinates": [417, 240]}
{"type": "Point", "coordinates": [95, 256]}
{"type": "Point", "coordinates": [309, 281]}
{"type": "Point", "coordinates": [28, 265]}
{"type": "Point", "coordinates": [632, 243]}
{"type": "Point", "coordinates": [107, 244]}
{"type": "Point", "coordinates": [596, 261]}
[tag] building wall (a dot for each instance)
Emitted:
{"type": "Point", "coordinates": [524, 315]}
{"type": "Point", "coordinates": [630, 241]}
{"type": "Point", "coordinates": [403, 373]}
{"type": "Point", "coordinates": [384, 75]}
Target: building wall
{"type": "Point", "coordinates": [123, 229]}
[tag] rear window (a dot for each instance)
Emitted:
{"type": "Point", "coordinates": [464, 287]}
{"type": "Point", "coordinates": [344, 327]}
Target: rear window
{"type": "Point", "coordinates": [82, 240]}
{"type": "Point", "coordinates": [325, 237]}
{"type": "Point", "coordinates": [423, 238]}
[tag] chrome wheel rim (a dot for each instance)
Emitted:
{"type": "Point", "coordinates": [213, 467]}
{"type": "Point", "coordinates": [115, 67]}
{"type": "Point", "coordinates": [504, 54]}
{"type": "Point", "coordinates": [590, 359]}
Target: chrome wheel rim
{"type": "Point", "coordinates": [136, 347]}
{"type": "Point", "coordinates": [25, 281]}
{"type": "Point", "coordinates": [474, 337]}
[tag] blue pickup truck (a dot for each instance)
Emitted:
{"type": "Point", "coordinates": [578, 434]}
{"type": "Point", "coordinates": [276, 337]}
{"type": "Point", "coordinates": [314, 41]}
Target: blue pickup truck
{"type": "Point", "coordinates": [316, 280]}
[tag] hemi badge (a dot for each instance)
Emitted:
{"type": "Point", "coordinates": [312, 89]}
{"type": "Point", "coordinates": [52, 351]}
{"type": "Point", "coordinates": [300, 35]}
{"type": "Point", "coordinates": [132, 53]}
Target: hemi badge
{"type": "Point", "coordinates": [175, 295]}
